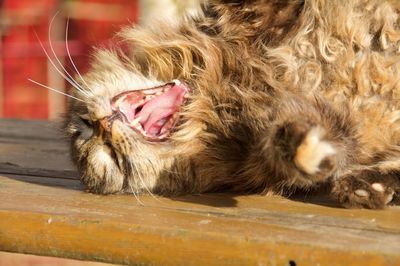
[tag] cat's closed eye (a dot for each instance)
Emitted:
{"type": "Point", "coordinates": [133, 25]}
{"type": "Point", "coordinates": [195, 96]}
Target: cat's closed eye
{"type": "Point", "coordinates": [86, 128]}
{"type": "Point", "coordinates": [86, 120]}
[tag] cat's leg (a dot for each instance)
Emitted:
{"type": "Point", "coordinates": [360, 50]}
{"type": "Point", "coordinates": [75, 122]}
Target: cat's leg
{"type": "Point", "coordinates": [311, 142]}
{"type": "Point", "coordinates": [308, 143]}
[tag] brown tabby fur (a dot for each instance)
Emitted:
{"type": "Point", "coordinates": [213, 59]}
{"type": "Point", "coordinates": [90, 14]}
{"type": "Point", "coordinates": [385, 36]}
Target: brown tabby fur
{"type": "Point", "coordinates": [286, 95]}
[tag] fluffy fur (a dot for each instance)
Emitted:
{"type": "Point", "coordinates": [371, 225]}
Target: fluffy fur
{"type": "Point", "coordinates": [285, 95]}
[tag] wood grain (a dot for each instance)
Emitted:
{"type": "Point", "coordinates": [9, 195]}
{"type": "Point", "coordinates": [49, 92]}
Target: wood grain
{"type": "Point", "coordinates": [30, 130]}
{"type": "Point", "coordinates": [41, 216]}
{"type": "Point", "coordinates": [35, 148]}
{"type": "Point", "coordinates": [52, 215]}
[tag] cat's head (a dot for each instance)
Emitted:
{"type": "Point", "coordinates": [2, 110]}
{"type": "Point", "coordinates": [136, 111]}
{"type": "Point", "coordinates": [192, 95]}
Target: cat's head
{"type": "Point", "coordinates": [120, 125]}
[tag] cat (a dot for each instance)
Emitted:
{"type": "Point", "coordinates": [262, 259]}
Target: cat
{"type": "Point", "coordinates": [263, 96]}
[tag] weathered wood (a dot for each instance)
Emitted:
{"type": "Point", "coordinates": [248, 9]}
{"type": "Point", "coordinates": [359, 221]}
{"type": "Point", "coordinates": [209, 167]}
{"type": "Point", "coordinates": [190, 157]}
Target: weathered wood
{"type": "Point", "coordinates": [41, 216]}
{"type": "Point", "coordinates": [30, 129]}
{"type": "Point", "coordinates": [34, 148]}
{"type": "Point", "coordinates": [52, 215]}
{"type": "Point", "coordinates": [36, 158]}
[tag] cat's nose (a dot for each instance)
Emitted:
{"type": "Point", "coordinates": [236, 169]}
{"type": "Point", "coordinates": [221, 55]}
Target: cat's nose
{"type": "Point", "coordinates": [106, 122]}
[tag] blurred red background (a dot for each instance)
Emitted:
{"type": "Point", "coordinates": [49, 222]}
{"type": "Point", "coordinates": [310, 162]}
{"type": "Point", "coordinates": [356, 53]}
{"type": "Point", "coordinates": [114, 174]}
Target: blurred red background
{"type": "Point", "coordinates": [91, 23]}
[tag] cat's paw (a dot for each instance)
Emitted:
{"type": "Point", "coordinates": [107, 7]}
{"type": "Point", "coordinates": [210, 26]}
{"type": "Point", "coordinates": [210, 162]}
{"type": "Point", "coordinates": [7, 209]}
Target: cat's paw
{"type": "Point", "coordinates": [363, 190]}
{"type": "Point", "coordinates": [315, 155]}
{"type": "Point", "coordinates": [307, 153]}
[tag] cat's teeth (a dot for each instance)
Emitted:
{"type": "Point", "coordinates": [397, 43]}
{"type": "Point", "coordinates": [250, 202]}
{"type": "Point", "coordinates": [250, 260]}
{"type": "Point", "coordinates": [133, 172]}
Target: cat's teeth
{"type": "Point", "coordinates": [159, 93]}
{"type": "Point", "coordinates": [149, 97]}
{"type": "Point", "coordinates": [135, 121]}
{"type": "Point", "coordinates": [118, 102]}
{"type": "Point", "coordinates": [149, 92]}
{"type": "Point", "coordinates": [141, 102]}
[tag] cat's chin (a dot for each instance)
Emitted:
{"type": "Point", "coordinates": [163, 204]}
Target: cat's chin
{"type": "Point", "coordinates": [151, 112]}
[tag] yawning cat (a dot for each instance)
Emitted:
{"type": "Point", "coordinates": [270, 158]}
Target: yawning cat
{"type": "Point", "coordinates": [248, 97]}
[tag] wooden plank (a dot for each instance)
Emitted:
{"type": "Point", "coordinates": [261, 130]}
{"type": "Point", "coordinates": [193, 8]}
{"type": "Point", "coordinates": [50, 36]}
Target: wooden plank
{"type": "Point", "coordinates": [36, 158]}
{"type": "Point", "coordinates": [48, 216]}
{"type": "Point", "coordinates": [30, 130]}
{"type": "Point", "coordinates": [34, 148]}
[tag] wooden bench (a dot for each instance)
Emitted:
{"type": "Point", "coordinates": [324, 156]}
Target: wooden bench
{"type": "Point", "coordinates": [44, 211]}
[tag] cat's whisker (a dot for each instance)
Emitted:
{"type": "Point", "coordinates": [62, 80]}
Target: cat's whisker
{"type": "Point", "coordinates": [146, 188]}
{"type": "Point", "coordinates": [70, 79]}
{"type": "Point", "coordinates": [70, 57]}
{"type": "Point", "coordinates": [136, 196]}
{"type": "Point", "coordinates": [56, 68]}
{"type": "Point", "coordinates": [57, 91]}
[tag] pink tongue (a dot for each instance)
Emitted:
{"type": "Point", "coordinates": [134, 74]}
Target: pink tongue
{"type": "Point", "coordinates": [155, 129]}
{"type": "Point", "coordinates": [154, 111]}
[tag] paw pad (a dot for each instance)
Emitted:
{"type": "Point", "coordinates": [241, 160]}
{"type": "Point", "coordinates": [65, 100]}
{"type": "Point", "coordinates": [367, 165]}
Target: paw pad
{"type": "Point", "coordinates": [378, 187]}
{"type": "Point", "coordinates": [361, 193]}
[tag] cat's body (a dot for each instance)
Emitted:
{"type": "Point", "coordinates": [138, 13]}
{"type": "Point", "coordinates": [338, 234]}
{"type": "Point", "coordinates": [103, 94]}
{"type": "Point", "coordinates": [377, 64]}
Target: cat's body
{"type": "Point", "coordinates": [272, 96]}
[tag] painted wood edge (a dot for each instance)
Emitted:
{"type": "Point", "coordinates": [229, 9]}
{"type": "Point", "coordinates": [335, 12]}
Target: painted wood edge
{"type": "Point", "coordinates": [115, 242]}
{"type": "Point", "coordinates": [8, 258]}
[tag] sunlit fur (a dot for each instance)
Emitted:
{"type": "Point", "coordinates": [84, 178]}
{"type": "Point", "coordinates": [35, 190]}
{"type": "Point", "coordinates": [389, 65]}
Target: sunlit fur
{"type": "Point", "coordinates": [269, 79]}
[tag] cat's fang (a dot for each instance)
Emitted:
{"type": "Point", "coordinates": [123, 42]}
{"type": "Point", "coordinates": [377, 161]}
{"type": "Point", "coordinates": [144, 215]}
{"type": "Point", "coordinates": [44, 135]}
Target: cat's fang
{"type": "Point", "coordinates": [135, 122]}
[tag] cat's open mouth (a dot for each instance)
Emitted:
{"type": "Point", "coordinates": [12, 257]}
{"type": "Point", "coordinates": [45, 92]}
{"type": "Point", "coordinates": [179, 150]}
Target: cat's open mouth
{"type": "Point", "coordinates": [151, 112]}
